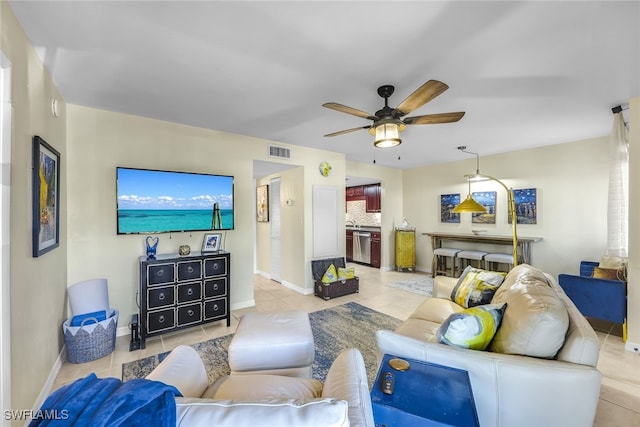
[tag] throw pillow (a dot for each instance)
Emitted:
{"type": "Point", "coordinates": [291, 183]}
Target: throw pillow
{"type": "Point", "coordinates": [331, 275]}
{"type": "Point", "coordinates": [472, 328]}
{"type": "Point", "coordinates": [476, 287]}
{"type": "Point", "coordinates": [346, 273]}
{"type": "Point", "coordinates": [606, 273]}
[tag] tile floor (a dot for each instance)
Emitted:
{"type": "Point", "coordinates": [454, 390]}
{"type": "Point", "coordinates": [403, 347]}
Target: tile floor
{"type": "Point", "coordinates": [619, 404]}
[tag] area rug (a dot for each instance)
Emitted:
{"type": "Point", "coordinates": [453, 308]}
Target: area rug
{"type": "Point", "coordinates": [422, 285]}
{"type": "Point", "coordinates": [345, 326]}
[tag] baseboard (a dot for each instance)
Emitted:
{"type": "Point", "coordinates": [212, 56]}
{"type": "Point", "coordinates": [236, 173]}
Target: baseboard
{"type": "Point", "coordinates": [48, 385]}
{"type": "Point", "coordinates": [243, 304]}
{"type": "Point", "coordinates": [632, 347]}
{"type": "Point", "coordinates": [294, 287]}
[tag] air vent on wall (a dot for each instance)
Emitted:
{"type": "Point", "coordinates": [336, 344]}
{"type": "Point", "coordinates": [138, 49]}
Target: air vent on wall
{"type": "Point", "coordinates": [279, 152]}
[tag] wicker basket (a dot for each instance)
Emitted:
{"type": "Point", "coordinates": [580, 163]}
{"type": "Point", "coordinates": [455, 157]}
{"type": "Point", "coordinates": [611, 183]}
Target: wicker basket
{"type": "Point", "coordinates": [90, 341]}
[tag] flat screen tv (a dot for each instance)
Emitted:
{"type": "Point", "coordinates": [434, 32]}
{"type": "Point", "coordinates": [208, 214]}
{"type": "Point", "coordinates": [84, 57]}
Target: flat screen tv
{"type": "Point", "coordinates": [155, 201]}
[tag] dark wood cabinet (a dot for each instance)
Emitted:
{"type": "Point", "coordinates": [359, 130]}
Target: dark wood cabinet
{"type": "Point", "coordinates": [355, 193]}
{"type": "Point", "coordinates": [375, 249]}
{"type": "Point", "coordinates": [177, 292]}
{"type": "Point", "coordinates": [372, 198]}
{"type": "Point", "coordinates": [349, 249]}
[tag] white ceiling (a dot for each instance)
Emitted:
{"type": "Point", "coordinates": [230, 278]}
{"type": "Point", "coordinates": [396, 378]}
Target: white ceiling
{"type": "Point", "coordinates": [527, 74]}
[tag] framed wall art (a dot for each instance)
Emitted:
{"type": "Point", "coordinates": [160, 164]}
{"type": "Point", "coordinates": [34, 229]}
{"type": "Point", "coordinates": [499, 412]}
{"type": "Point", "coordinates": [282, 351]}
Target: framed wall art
{"type": "Point", "coordinates": [262, 203]}
{"type": "Point", "coordinates": [488, 200]}
{"type": "Point", "coordinates": [526, 206]}
{"type": "Point", "coordinates": [212, 242]}
{"type": "Point", "coordinates": [45, 197]}
{"type": "Point", "coordinates": [447, 203]}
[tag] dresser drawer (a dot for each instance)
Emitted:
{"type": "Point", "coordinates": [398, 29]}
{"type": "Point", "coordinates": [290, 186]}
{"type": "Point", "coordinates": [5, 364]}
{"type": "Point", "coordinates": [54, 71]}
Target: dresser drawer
{"type": "Point", "coordinates": [188, 314]}
{"type": "Point", "coordinates": [161, 320]}
{"type": "Point", "coordinates": [215, 308]}
{"type": "Point", "coordinates": [215, 267]}
{"type": "Point", "coordinates": [189, 292]}
{"type": "Point", "coordinates": [158, 274]}
{"type": "Point", "coordinates": [189, 270]}
{"type": "Point", "coordinates": [215, 287]}
{"type": "Point", "coordinates": [160, 296]}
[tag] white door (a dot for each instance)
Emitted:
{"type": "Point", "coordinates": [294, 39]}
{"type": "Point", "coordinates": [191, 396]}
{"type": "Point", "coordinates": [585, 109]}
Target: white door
{"type": "Point", "coordinates": [274, 215]}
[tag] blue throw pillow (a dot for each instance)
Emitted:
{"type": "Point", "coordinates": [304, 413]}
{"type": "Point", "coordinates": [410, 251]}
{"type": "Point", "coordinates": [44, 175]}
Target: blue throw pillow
{"type": "Point", "coordinates": [472, 328]}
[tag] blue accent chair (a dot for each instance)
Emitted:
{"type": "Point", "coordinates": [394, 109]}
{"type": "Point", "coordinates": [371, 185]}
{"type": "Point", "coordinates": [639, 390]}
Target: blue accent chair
{"type": "Point", "coordinates": [597, 298]}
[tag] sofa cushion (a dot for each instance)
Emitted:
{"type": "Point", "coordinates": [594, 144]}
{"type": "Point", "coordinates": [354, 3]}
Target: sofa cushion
{"type": "Point", "coordinates": [435, 310]}
{"type": "Point", "coordinates": [472, 328]}
{"type": "Point", "coordinates": [476, 286]}
{"type": "Point", "coordinates": [263, 386]}
{"type": "Point", "coordinates": [535, 322]}
{"type": "Point", "coordinates": [280, 412]}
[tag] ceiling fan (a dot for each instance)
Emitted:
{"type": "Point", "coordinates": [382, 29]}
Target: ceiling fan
{"type": "Point", "coordinates": [388, 122]}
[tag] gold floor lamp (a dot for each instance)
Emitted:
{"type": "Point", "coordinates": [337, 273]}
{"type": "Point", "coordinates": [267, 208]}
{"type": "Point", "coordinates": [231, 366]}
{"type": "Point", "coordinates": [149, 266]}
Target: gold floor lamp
{"type": "Point", "coordinates": [469, 205]}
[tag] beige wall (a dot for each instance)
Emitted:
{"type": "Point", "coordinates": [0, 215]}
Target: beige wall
{"type": "Point", "coordinates": [571, 182]}
{"type": "Point", "coordinates": [100, 140]}
{"type": "Point", "coordinates": [38, 285]}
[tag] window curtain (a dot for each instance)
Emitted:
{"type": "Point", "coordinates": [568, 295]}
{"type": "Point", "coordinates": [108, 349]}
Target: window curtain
{"type": "Point", "coordinates": [618, 208]}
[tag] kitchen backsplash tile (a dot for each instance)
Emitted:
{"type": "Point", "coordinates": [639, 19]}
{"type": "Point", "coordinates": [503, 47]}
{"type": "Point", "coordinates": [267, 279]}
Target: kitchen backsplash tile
{"type": "Point", "coordinates": [356, 212]}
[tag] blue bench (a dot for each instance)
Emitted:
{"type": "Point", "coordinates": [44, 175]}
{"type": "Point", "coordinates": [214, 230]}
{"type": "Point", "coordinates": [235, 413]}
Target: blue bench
{"type": "Point", "coordinates": [597, 298]}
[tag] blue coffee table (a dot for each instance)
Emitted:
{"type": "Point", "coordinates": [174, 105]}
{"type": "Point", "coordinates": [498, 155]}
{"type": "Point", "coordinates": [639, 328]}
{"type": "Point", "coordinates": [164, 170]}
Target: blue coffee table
{"type": "Point", "coordinates": [424, 395]}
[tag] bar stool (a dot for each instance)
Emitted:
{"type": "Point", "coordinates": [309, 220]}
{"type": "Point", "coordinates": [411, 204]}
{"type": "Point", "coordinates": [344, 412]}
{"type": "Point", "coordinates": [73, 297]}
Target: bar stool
{"type": "Point", "coordinates": [473, 258]}
{"type": "Point", "coordinates": [493, 261]}
{"type": "Point", "coordinates": [439, 264]}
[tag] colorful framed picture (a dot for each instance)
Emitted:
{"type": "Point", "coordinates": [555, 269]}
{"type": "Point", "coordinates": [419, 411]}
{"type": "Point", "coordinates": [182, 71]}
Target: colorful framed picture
{"type": "Point", "coordinates": [488, 200]}
{"type": "Point", "coordinates": [45, 197]}
{"type": "Point", "coordinates": [212, 242]}
{"type": "Point", "coordinates": [526, 206]}
{"type": "Point", "coordinates": [447, 203]}
{"type": "Point", "coordinates": [262, 203]}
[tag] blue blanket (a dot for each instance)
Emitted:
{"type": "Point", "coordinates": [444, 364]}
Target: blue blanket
{"type": "Point", "coordinates": [93, 401]}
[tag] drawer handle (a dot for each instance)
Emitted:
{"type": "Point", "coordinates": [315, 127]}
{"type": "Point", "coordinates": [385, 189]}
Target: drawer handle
{"type": "Point", "coordinates": [161, 319]}
{"type": "Point", "coordinates": [190, 292]}
{"type": "Point", "coordinates": [215, 307]}
{"type": "Point", "coordinates": [216, 266]}
{"type": "Point", "coordinates": [161, 297]}
{"type": "Point", "coordinates": [215, 287]}
{"type": "Point", "coordinates": [190, 313]}
{"type": "Point", "coordinates": [190, 269]}
{"type": "Point", "coordinates": [160, 273]}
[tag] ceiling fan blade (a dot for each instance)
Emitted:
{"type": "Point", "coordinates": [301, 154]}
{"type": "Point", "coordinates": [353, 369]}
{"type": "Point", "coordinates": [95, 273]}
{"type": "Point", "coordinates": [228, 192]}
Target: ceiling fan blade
{"type": "Point", "coordinates": [347, 131]}
{"type": "Point", "coordinates": [431, 119]}
{"type": "Point", "coordinates": [420, 96]}
{"type": "Point", "coordinates": [349, 110]}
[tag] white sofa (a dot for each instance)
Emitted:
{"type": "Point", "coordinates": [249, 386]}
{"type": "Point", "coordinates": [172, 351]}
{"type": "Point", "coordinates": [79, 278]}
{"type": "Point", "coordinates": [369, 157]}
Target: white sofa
{"type": "Point", "coordinates": [561, 389]}
{"type": "Point", "coordinates": [265, 399]}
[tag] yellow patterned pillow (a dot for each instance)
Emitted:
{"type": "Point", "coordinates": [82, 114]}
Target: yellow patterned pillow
{"type": "Point", "coordinates": [346, 273]}
{"type": "Point", "coordinates": [476, 287]}
{"type": "Point", "coordinates": [331, 275]}
{"type": "Point", "coordinates": [472, 328]}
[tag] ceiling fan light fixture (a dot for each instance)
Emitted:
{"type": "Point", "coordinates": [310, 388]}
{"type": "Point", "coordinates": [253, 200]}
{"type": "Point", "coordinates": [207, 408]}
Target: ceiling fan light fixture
{"type": "Point", "coordinates": [387, 135]}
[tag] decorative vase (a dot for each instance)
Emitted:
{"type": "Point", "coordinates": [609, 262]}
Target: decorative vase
{"type": "Point", "coordinates": [152, 246]}
{"type": "Point", "coordinates": [184, 250]}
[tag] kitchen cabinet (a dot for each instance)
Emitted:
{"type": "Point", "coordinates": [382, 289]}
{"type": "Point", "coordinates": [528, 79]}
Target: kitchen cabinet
{"type": "Point", "coordinates": [355, 193]}
{"type": "Point", "coordinates": [349, 254]}
{"type": "Point", "coordinates": [375, 249]}
{"type": "Point", "coordinates": [372, 198]}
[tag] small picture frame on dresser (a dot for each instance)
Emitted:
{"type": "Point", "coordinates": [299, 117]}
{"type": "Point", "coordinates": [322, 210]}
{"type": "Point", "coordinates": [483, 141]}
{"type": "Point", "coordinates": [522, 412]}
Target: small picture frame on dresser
{"type": "Point", "coordinates": [212, 242]}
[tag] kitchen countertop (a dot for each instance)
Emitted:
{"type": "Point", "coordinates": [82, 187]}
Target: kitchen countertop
{"type": "Point", "coordinates": [363, 228]}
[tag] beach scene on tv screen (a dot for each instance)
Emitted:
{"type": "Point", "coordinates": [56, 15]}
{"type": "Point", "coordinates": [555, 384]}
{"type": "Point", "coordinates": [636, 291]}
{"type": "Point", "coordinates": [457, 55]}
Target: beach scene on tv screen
{"type": "Point", "coordinates": [160, 201]}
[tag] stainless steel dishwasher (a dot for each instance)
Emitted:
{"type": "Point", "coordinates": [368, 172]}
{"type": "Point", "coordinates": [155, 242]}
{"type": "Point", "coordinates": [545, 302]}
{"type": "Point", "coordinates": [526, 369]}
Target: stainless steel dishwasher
{"type": "Point", "coordinates": [362, 247]}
